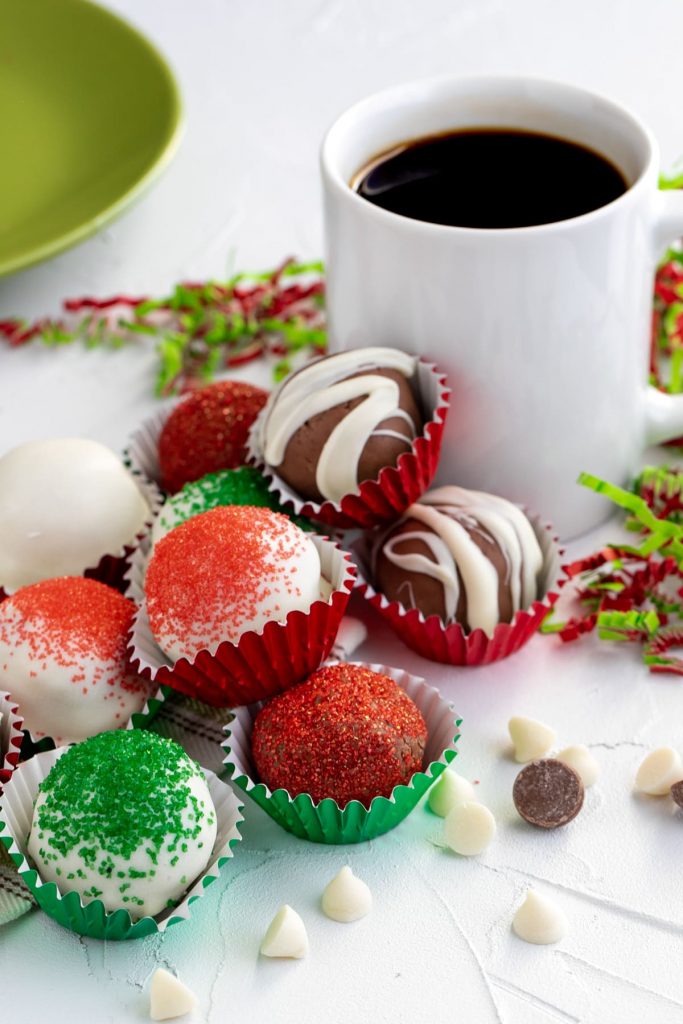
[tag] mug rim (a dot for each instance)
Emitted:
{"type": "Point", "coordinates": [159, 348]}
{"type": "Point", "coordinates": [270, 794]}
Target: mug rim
{"type": "Point", "coordinates": [410, 89]}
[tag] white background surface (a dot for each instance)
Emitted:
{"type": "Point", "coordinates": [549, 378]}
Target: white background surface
{"type": "Point", "coordinates": [261, 83]}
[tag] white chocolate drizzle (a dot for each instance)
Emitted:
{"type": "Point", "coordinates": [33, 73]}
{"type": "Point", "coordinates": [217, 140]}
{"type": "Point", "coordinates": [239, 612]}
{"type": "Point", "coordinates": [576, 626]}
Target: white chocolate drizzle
{"type": "Point", "coordinates": [451, 515]}
{"type": "Point", "coordinates": [320, 387]}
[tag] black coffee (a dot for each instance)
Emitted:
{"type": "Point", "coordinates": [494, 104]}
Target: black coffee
{"type": "Point", "coordinates": [490, 178]}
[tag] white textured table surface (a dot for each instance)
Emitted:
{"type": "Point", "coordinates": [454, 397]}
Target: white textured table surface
{"type": "Point", "coordinates": [261, 82]}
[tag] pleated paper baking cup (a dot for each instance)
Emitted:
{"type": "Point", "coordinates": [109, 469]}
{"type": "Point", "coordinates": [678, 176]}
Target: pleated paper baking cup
{"type": "Point", "coordinates": [385, 499]}
{"type": "Point", "coordinates": [11, 736]}
{"type": "Point", "coordinates": [325, 821]}
{"type": "Point", "coordinates": [260, 664]}
{"type": "Point", "coordinates": [91, 918]}
{"type": "Point", "coordinates": [142, 453]}
{"type": "Point", "coordinates": [453, 645]}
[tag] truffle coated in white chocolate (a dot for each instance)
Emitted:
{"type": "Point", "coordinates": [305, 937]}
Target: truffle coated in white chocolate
{"type": "Point", "coordinates": [64, 658]}
{"type": "Point", "coordinates": [531, 738]}
{"type": "Point", "coordinates": [286, 935]}
{"type": "Point", "coordinates": [539, 920]}
{"type": "Point", "coordinates": [168, 997]}
{"type": "Point", "coordinates": [125, 818]}
{"type": "Point", "coordinates": [469, 828]}
{"type": "Point", "coordinates": [449, 791]}
{"type": "Point", "coordinates": [582, 761]}
{"type": "Point", "coordinates": [64, 503]}
{"type": "Point", "coordinates": [659, 771]}
{"type": "Point", "coordinates": [346, 898]}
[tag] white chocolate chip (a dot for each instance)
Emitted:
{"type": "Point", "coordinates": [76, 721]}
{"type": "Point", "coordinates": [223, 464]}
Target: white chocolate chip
{"type": "Point", "coordinates": [449, 791]}
{"type": "Point", "coordinates": [168, 997]}
{"type": "Point", "coordinates": [659, 771]}
{"type": "Point", "coordinates": [469, 828]}
{"type": "Point", "coordinates": [531, 739]}
{"type": "Point", "coordinates": [540, 920]}
{"type": "Point", "coordinates": [286, 935]}
{"type": "Point", "coordinates": [582, 761]}
{"type": "Point", "coordinates": [346, 898]}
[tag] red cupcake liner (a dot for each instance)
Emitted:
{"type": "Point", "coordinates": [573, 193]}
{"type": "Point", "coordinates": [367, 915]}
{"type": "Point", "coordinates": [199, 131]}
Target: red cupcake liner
{"type": "Point", "coordinates": [112, 567]}
{"type": "Point", "coordinates": [451, 645]}
{"type": "Point", "coordinates": [261, 664]}
{"type": "Point", "coordinates": [11, 736]}
{"type": "Point", "coordinates": [385, 499]}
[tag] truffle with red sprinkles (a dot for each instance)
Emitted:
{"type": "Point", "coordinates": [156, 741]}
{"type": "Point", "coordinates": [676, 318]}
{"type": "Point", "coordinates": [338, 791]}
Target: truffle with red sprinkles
{"type": "Point", "coordinates": [207, 431]}
{"type": "Point", "coordinates": [225, 572]}
{"type": "Point", "coordinates": [347, 733]}
{"type": "Point", "coordinates": [64, 658]}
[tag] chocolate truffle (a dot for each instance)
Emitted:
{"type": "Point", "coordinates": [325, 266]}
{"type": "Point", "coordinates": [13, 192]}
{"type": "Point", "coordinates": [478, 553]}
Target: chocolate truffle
{"type": "Point", "coordinates": [64, 503]}
{"type": "Point", "coordinates": [207, 431]}
{"type": "Point", "coordinates": [340, 420]}
{"type": "Point", "coordinates": [243, 486]}
{"type": "Point", "coordinates": [64, 658]}
{"type": "Point", "coordinates": [347, 733]}
{"type": "Point", "coordinates": [465, 556]}
{"type": "Point", "coordinates": [126, 818]}
{"type": "Point", "coordinates": [224, 572]}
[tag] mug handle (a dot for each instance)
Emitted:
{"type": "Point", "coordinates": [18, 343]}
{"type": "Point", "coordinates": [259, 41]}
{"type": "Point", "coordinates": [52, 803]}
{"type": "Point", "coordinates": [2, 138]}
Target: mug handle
{"type": "Point", "coordinates": [663, 412]}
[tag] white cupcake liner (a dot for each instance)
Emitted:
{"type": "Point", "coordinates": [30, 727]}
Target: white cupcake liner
{"type": "Point", "coordinates": [11, 736]}
{"type": "Point", "coordinates": [90, 917]}
{"type": "Point", "coordinates": [141, 454]}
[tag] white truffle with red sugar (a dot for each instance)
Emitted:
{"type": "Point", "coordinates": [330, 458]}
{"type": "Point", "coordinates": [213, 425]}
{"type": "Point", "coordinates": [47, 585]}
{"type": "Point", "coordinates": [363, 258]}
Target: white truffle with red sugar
{"type": "Point", "coordinates": [64, 658]}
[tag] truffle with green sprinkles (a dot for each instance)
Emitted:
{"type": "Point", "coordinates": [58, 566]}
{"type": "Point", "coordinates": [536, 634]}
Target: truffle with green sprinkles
{"type": "Point", "coordinates": [243, 486]}
{"type": "Point", "coordinates": [125, 818]}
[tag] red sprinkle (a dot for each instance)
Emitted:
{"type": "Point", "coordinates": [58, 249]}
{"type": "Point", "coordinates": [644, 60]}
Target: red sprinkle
{"type": "Point", "coordinates": [67, 622]}
{"type": "Point", "coordinates": [208, 578]}
{"type": "Point", "coordinates": [347, 733]}
{"type": "Point", "coordinates": [207, 432]}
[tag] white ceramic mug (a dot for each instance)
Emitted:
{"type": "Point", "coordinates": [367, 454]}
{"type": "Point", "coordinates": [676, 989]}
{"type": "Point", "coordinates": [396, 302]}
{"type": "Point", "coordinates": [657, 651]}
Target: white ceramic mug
{"type": "Point", "coordinates": [544, 331]}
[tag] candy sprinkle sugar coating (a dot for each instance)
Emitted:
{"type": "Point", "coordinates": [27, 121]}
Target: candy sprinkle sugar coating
{"type": "Point", "coordinates": [242, 486]}
{"type": "Point", "coordinates": [208, 431]}
{"type": "Point", "coordinates": [225, 572]}
{"type": "Point", "coordinates": [124, 817]}
{"type": "Point", "coordinates": [63, 656]}
{"type": "Point", "coordinates": [346, 733]}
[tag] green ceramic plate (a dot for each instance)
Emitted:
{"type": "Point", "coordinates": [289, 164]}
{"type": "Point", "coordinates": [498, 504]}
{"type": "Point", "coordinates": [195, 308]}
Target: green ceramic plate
{"type": "Point", "coordinates": [89, 113]}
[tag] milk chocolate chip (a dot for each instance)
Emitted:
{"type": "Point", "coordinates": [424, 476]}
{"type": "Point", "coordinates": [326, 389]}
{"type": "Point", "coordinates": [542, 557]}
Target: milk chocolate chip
{"type": "Point", "coordinates": [548, 793]}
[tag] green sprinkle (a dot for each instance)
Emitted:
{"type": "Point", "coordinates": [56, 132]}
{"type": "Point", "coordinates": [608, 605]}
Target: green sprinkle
{"type": "Point", "coordinates": [115, 794]}
{"type": "Point", "coordinates": [243, 486]}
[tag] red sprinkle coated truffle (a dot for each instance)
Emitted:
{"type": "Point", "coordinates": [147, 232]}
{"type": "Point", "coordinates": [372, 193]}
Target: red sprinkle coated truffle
{"type": "Point", "coordinates": [209, 577]}
{"type": "Point", "coordinates": [346, 733]}
{"type": "Point", "coordinates": [67, 620]}
{"type": "Point", "coordinates": [208, 431]}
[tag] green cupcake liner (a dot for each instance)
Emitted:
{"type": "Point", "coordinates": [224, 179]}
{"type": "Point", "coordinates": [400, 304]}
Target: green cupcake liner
{"type": "Point", "coordinates": [325, 821]}
{"type": "Point", "coordinates": [91, 918]}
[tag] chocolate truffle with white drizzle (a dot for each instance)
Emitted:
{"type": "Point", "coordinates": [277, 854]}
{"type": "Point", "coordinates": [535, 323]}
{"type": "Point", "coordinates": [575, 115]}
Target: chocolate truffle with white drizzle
{"type": "Point", "coordinates": [465, 556]}
{"type": "Point", "coordinates": [340, 420]}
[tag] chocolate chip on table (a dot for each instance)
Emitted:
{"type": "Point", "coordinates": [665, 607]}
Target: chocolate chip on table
{"type": "Point", "coordinates": [548, 793]}
{"type": "Point", "coordinates": [677, 793]}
